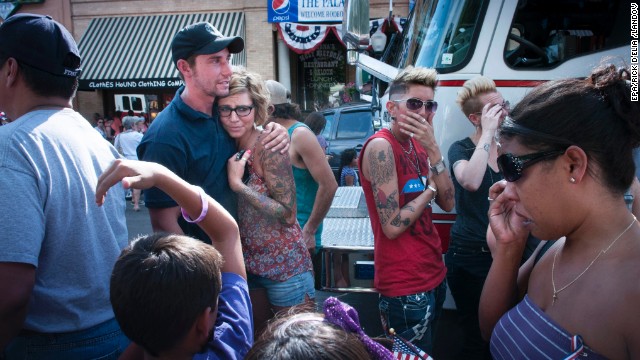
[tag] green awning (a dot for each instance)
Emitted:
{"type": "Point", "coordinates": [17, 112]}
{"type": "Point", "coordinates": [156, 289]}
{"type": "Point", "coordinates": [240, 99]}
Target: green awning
{"type": "Point", "coordinates": [134, 52]}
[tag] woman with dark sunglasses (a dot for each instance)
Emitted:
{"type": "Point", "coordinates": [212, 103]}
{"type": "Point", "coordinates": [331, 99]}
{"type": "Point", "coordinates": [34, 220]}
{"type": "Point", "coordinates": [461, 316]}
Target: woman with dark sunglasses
{"type": "Point", "coordinates": [474, 170]}
{"type": "Point", "coordinates": [566, 155]}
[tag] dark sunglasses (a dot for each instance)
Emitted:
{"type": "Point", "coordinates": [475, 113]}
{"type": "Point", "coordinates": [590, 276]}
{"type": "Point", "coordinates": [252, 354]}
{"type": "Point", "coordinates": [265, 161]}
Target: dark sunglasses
{"type": "Point", "coordinates": [414, 104]}
{"type": "Point", "coordinates": [242, 110]}
{"type": "Point", "coordinates": [512, 166]}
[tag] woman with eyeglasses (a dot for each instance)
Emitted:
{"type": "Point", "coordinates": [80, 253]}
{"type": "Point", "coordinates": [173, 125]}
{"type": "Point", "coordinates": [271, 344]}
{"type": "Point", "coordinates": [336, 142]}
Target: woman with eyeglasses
{"type": "Point", "coordinates": [474, 170]}
{"type": "Point", "coordinates": [275, 255]}
{"type": "Point", "coordinates": [566, 154]}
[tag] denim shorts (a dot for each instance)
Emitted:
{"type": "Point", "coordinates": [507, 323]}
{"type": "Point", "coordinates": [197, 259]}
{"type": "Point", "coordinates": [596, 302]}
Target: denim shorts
{"type": "Point", "coordinates": [414, 317]}
{"type": "Point", "coordinates": [285, 293]}
{"type": "Point", "coordinates": [104, 341]}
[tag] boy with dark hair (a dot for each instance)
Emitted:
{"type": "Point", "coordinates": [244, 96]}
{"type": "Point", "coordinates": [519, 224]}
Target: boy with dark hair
{"type": "Point", "coordinates": [175, 296]}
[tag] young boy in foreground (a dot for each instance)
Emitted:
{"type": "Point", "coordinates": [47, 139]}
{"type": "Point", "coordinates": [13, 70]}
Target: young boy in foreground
{"type": "Point", "coordinates": [174, 296]}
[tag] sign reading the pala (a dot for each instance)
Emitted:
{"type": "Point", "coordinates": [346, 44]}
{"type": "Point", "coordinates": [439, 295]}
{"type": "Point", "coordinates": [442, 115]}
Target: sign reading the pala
{"type": "Point", "coordinates": [305, 11]}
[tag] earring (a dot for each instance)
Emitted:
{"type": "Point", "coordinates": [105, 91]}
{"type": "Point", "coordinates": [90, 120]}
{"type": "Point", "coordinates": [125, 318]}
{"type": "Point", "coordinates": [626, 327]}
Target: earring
{"type": "Point", "coordinates": [572, 180]}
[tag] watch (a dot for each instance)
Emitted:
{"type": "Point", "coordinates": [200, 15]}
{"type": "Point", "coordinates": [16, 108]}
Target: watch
{"type": "Point", "coordinates": [438, 168]}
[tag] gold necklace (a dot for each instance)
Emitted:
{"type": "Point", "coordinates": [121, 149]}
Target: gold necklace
{"type": "Point", "coordinates": [602, 252]}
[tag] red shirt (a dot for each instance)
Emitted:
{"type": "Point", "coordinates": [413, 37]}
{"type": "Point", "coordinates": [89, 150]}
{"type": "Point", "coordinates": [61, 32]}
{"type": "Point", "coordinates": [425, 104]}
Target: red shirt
{"type": "Point", "coordinates": [411, 263]}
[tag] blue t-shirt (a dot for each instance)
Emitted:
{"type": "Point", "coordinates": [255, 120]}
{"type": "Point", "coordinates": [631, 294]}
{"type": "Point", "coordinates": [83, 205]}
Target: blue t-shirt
{"type": "Point", "coordinates": [50, 161]}
{"type": "Point", "coordinates": [349, 171]}
{"type": "Point", "coordinates": [233, 336]}
{"type": "Point", "coordinates": [196, 147]}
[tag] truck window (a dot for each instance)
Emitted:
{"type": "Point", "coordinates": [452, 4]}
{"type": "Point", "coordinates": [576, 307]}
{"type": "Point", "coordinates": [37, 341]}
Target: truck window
{"type": "Point", "coordinates": [354, 125]}
{"type": "Point", "coordinates": [136, 103]}
{"type": "Point", "coordinates": [126, 104]}
{"type": "Point", "coordinates": [441, 34]}
{"type": "Point", "coordinates": [326, 132]}
{"type": "Point", "coordinates": [546, 33]}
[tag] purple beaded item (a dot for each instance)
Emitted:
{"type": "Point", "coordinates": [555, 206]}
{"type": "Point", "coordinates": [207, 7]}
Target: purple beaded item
{"type": "Point", "coordinates": [346, 317]}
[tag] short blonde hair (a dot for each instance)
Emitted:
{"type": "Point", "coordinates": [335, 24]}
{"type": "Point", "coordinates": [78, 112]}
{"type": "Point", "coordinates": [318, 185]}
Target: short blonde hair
{"type": "Point", "coordinates": [251, 83]}
{"type": "Point", "coordinates": [413, 76]}
{"type": "Point", "coordinates": [468, 96]}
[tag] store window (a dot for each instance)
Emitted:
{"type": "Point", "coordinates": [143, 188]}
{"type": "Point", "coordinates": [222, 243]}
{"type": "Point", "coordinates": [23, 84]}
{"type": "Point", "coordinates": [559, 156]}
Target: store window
{"type": "Point", "coordinates": [322, 75]}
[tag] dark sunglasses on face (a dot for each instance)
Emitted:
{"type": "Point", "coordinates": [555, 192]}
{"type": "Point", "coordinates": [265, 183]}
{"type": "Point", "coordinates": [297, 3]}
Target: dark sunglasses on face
{"type": "Point", "coordinates": [414, 104]}
{"type": "Point", "coordinates": [512, 166]}
{"type": "Point", "coordinates": [242, 110]}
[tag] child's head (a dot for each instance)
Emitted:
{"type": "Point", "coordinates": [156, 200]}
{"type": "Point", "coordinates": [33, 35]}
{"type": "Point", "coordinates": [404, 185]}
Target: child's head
{"type": "Point", "coordinates": [347, 157]}
{"type": "Point", "coordinates": [335, 335]}
{"type": "Point", "coordinates": [160, 285]}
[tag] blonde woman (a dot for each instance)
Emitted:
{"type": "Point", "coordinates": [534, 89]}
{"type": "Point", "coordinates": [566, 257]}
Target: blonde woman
{"type": "Point", "coordinates": [275, 254]}
{"type": "Point", "coordinates": [474, 170]}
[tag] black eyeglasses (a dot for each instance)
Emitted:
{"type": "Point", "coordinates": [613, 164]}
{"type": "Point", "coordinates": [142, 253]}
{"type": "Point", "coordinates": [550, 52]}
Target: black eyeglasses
{"type": "Point", "coordinates": [512, 166]}
{"type": "Point", "coordinates": [414, 104]}
{"type": "Point", "coordinates": [242, 110]}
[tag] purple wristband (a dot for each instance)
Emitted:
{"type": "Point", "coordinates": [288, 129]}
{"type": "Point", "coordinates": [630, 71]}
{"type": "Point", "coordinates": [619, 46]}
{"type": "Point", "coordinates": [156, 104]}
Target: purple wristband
{"type": "Point", "coordinates": [205, 208]}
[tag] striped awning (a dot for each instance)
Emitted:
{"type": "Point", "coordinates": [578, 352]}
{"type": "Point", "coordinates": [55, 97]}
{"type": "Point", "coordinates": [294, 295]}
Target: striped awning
{"type": "Point", "coordinates": [134, 52]}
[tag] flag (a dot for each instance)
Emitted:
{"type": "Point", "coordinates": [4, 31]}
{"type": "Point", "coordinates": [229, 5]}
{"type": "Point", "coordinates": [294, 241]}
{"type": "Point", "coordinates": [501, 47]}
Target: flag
{"type": "Point", "coordinates": [405, 350]}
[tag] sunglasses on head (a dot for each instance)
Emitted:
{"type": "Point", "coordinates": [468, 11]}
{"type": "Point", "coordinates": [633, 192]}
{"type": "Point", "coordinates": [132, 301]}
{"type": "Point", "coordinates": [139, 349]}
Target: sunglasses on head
{"type": "Point", "coordinates": [512, 166]}
{"type": "Point", "coordinates": [414, 104]}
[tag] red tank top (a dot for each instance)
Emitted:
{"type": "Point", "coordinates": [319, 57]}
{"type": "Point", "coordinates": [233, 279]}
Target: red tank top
{"type": "Point", "coordinates": [412, 262]}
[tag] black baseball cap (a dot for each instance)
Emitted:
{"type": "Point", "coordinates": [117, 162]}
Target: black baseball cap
{"type": "Point", "coordinates": [200, 39]}
{"type": "Point", "coordinates": [40, 42]}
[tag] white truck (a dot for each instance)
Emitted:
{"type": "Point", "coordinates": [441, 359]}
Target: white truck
{"type": "Point", "coordinates": [518, 44]}
{"type": "Point", "coordinates": [136, 102]}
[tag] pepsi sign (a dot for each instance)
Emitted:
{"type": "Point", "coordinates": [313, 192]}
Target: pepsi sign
{"type": "Point", "coordinates": [301, 11]}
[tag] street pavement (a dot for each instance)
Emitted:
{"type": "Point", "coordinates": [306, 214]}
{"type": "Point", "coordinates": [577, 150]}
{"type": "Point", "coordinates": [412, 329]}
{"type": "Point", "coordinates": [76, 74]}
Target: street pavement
{"type": "Point", "coordinates": [447, 336]}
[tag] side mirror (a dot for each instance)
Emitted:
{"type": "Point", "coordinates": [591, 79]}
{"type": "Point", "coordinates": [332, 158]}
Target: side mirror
{"type": "Point", "coordinates": [355, 28]}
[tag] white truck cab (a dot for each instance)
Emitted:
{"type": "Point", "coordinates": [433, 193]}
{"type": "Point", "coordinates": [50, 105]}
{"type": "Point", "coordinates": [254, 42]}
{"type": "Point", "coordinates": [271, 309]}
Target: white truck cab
{"type": "Point", "coordinates": [518, 44]}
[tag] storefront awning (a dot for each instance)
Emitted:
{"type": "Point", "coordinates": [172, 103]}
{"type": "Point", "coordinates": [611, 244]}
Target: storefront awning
{"type": "Point", "coordinates": [135, 52]}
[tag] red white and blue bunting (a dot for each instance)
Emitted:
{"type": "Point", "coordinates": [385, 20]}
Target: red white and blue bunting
{"type": "Point", "coordinates": [306, 38]}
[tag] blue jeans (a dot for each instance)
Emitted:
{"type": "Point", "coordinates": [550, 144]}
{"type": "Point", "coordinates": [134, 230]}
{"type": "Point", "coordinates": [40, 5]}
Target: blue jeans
{"type": "Point", "coordinates": [104, 341]}
{"type": "Point", "coordinates": [414, 317]}
{"type": "Point", "coordinates": [467, 268]}
{"type": "Point", "coordinates": [285, 293]}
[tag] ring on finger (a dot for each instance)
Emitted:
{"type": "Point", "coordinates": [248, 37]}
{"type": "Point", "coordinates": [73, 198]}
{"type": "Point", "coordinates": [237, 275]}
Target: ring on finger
{"type": "Point", "coordinates": [411, 134]}
{"type": "Point", "coordinates": [490, 198]}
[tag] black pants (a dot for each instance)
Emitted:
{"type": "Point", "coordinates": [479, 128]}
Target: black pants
{"type": "Point", "coordinates": [467, 269]}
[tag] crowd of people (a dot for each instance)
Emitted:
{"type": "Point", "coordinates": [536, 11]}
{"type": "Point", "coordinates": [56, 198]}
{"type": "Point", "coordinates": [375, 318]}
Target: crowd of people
{"type": "Point", "coordinates": [237, 189]}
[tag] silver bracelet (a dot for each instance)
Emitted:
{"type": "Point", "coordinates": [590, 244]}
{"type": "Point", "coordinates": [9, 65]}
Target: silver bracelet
{"type": "Point", "coordinates": [484, 147]}
{"type": "Point", "coordinates": [435, 193]}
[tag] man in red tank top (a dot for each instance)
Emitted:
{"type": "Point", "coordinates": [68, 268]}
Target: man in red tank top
{"type": "Point", "coordinates": [403, 172]}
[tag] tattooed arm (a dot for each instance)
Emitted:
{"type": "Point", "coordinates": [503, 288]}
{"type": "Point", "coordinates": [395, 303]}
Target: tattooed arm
{"type": "Point", "coordinates": [379, 167]}
{"type": "Point", "coordinates": [278, 176]}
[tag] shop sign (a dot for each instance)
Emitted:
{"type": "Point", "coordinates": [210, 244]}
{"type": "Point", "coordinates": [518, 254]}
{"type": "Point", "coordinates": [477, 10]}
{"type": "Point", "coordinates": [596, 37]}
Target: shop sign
{"type": "Point", "coordinates": [129, 84]}
{"type": "Point", "coordinates": [305, 11]}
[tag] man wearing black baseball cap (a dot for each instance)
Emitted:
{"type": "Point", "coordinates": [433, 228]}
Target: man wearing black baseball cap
{"type": "Point", "coordinates": [57, 252]}
{"type": "Point", "coordinates": [187, 136]}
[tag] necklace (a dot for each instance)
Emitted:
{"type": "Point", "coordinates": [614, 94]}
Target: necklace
{"type": "Point", "coordinates": [602, 252]}
{"type": "Point", "coordinates": [412, 151]}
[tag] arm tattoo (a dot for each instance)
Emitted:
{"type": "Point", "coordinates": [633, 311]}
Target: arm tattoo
{"type": "Point", "coordinates": [387, 204]}
{"type": "Point", "coordinates": [278, 176]}
{"type": "Point", "coordinates": [380, 167]}
{"type": "Point", "coordinates": [398, 221]}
